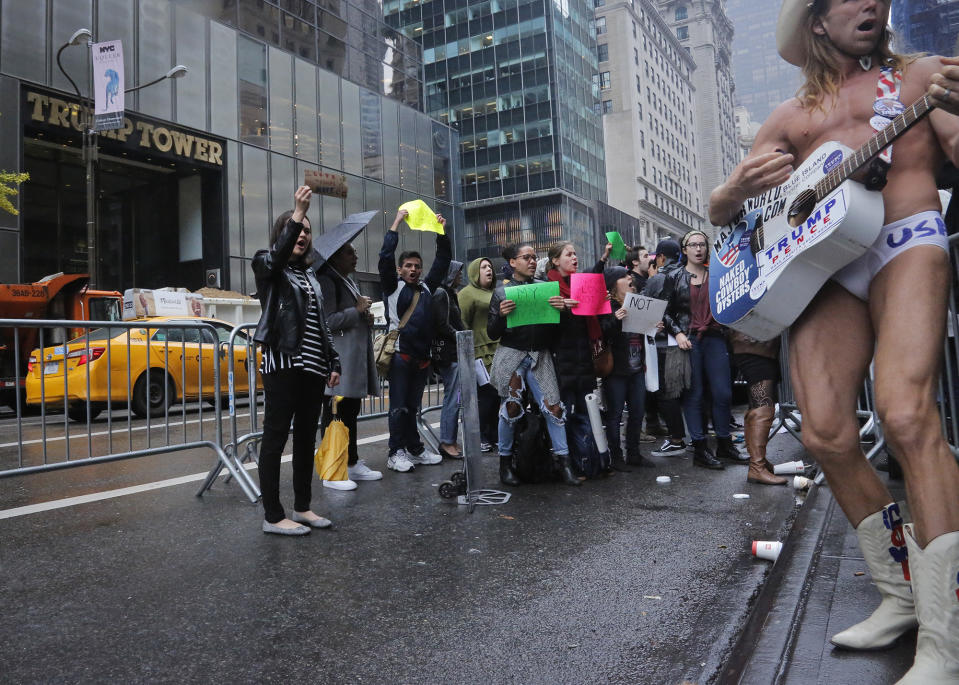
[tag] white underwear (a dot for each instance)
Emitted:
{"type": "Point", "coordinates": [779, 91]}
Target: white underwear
{"type": "Point", "coordinates": [924, 228]}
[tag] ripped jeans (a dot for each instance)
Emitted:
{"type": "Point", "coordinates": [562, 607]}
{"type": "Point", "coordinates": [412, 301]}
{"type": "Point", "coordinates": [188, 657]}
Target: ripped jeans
{"type": "Point", "coordinates": [555, 426]}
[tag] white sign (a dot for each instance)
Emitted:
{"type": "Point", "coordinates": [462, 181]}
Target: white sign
{"type": "Point", "coordinates": [642, 314]}
{"type": "Point", "coordinates": [108, 84]}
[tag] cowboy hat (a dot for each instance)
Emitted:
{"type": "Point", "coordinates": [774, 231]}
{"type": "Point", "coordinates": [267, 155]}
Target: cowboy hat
{"type": "Point", "coordinates": [789, 30]}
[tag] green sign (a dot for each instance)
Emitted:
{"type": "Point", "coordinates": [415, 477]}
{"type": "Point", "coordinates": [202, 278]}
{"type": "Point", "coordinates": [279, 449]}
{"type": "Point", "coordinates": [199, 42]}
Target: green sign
{"type": "Point", "coordinates": [532, 304]}
{"type": "Point", "coordinates": [619, 247]}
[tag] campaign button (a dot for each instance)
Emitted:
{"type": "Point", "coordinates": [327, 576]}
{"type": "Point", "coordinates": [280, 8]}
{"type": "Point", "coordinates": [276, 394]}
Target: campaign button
{"type": "Point", "coordinates": [879, 123]}
{"type": "Point", "coordinates": [888, 107]}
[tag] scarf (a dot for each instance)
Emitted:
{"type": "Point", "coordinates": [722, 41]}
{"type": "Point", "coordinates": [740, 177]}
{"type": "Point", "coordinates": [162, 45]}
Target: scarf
{"type": "Point", "coordinates": [592, 322]}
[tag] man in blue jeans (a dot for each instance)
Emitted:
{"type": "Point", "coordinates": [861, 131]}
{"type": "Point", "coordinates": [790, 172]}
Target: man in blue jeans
{"type": "Point", "coordinates": [410, 366]}
{"type": "Point", "coordinates": [522, 360]}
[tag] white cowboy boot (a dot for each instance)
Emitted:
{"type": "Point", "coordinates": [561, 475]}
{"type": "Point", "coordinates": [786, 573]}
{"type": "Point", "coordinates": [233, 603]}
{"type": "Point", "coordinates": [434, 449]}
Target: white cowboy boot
{"type": "Point", "coordinates": [935, 584]}
{"type": "Point", "coordinates": [883, 546]}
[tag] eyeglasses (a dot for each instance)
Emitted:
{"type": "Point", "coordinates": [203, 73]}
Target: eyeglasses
{"type": "Point", "coordinates": [696, 246]}
{"type": "Point", "coordinates": [526, 257]}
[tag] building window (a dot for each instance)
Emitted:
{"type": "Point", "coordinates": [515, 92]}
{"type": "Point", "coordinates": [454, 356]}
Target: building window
{"type": "Point", "coordinates": [599, 3]}
{"type": "Point", "coordinates": [681, 13]}
{"type": "Point", "coordinates": [607, 106]}
{"type": "Point", "coordinates": [604, 81]}
{"type": "Point", "coordinates": [602, 51]}
{"type": "Point", "coordinates": [597, 107]}
{"type": "Point", "coordinates": [639, 88]}
{"type": "Point", "coordinates": [634, 29]}
{"type": "Point", "coordinates": [600, 25]}
{"type": "Point", "coordinates": [636, 56]}
{"type": "Point", "coordinates": [682, 32]}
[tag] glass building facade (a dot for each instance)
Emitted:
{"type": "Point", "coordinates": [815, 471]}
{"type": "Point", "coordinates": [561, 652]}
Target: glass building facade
{"type": "Point", "coordinates": [926, 26]}
{"type": "Point", "coordinates": [204, 163]}
{"type": "Point", "coordinates": [517, 80]}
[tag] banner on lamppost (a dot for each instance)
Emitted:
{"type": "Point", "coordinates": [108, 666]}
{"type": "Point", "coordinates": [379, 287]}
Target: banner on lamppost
{"type": "Point", "coordinates": [108, 85]}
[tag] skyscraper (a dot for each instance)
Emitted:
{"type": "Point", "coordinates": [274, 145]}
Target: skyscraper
{"type": "Point", "coordinates": [707, 34]}
{"type": "Point", "coordinates": [926, 25]}
{"type": "Point", "coordinates": [649, 122]}
{"type": "Point", "coordinates": [518, 80]}
{"type": "Point", "coordinates": [763, 78]}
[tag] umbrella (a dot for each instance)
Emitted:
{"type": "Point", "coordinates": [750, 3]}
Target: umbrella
{"type": "Point", "coordinates": [332, 454]}
{"type": "Point", "coordinates": [331, 241]}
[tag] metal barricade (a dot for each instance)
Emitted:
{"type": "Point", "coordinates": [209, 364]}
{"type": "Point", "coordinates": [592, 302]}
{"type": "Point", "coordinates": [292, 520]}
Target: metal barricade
{"type": "Point", "coordinates": [242, 449]}
{"type": "Point", "coordinates": [870, 431]}
{"type": "Point", "coordinates": [140, 367]}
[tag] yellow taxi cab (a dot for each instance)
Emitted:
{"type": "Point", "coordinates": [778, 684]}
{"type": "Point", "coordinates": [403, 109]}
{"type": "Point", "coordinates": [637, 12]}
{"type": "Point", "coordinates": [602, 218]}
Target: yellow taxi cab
{"type": "Point", "coordinates": [176, 366]}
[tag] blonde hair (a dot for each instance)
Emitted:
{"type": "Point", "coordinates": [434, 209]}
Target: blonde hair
{"type": "Point", "coordinates": [821, 68]}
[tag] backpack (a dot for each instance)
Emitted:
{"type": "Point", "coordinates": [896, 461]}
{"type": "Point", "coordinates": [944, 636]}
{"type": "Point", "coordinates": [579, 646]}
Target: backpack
{"type": "Point", "coordinates": [582, 447]}
{"type": "Point", "coordinates": [532, 455]}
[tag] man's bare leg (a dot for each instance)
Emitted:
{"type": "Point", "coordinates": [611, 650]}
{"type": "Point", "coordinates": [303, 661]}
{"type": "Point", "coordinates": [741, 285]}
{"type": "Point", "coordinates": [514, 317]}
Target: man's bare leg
{"type": "Point", "coordinates": [830, 348]}
{"type": "Point", "coordinates": [910, 329]}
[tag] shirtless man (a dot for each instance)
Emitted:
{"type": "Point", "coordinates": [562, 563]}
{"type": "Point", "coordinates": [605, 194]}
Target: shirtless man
{"type": "Point", "coordinates": [889, 305]}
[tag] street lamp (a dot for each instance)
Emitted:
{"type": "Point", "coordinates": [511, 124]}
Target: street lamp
{"type": "Point", "coordinates": [89, 140]}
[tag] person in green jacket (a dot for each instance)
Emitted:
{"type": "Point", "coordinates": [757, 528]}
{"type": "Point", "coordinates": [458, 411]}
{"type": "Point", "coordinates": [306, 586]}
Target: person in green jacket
{"type": "Point", "coordinates": [474, 307]}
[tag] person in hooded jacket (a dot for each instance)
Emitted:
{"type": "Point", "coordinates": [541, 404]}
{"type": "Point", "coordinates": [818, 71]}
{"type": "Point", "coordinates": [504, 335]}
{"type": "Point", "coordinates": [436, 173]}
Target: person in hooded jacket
{"type": "Point", "coordinates": [474, 302]}
{"type": "Point", "coordinates": [299, 361]}
{"type": "Point", "coordinates": [447, 321]}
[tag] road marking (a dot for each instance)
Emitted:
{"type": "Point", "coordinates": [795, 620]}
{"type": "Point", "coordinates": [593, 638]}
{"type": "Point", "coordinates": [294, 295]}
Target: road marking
{"type": "Point", "coordinates": [131, 429]}
{"type": "Point", "coordinates": [146, 487]}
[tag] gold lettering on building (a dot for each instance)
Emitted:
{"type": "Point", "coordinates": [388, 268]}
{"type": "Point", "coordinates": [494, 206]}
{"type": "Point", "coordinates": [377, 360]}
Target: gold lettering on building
{"type": "Point", "coordinates": [57, 112]}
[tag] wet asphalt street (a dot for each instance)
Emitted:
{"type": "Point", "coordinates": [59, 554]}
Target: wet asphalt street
{"type": "Point", "coordinates": [622, 580]}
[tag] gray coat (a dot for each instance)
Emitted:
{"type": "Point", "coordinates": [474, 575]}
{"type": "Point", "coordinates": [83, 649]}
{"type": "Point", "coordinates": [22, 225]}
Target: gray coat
{"type": "Point", "coordinates": [352, 338]}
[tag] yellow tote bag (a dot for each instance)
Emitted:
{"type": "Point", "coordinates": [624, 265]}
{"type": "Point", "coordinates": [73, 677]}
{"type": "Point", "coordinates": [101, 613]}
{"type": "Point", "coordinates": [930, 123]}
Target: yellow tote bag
{"type": "Point", "coordinates": [332, 454]}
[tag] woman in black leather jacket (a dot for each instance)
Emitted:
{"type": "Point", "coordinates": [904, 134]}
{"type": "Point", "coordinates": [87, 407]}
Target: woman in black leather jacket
{"type": "Point", "coordinates": [298, 361]}
{"type": "Point", "coordinates": [690, 323]}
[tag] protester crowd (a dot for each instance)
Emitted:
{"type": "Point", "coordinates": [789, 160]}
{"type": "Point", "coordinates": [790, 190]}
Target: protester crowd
{"type": "Point", "coordinates": [539, 379]}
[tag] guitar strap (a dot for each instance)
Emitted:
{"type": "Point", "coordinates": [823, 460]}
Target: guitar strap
{"type": "Point", "coordinates": [886, 108]}
{"type": "Point", "coordinates": [888, 104]}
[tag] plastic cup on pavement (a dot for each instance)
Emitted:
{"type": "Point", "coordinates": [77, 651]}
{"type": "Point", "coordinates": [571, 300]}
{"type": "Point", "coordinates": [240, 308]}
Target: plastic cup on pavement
{"type": "Point", "coordinates": [789, 468]}
{"type": "Point", "coordinates": [801, 483]}
{"type": "Point", "coordinates": [767, 549]}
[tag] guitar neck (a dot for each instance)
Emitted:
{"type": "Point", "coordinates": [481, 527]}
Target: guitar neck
{"type": "Point", "coordinates": [879, 142]}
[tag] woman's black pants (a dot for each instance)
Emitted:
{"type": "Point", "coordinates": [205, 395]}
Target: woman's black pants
{"type": "Point", "coordinates": [291, 395]}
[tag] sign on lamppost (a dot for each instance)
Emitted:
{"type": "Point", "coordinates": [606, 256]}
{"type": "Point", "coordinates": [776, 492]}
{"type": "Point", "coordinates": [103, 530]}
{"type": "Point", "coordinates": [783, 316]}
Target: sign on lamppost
{"type": "Point", "coordinates": [108, 84]}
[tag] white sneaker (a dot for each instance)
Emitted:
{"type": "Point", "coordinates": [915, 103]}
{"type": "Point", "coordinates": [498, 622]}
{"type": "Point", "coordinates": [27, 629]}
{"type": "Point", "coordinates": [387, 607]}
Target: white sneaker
{"type": "Point", "coordinates": [360, 471]}
{"type": "Point", "coordinates": [425, 457]}
{"type": "Point", "coordinates": [340, 484]}
{"type": "Point", "coordinates": [399, 461]}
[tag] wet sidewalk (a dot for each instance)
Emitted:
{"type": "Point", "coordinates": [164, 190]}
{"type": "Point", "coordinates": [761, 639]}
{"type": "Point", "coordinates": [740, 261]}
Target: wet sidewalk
{"type": "Point", "coordinates": [819, 586]}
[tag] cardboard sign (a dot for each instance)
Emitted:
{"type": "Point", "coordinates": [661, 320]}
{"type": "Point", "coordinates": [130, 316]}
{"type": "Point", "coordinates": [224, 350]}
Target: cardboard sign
{"type": "Point", "coordinates": [590, 291]}
{"type": "Point", "coordinates": [140, 302]}
{"type": "Point", "coordinates": [422, 218]}
{"type": "Point", "coordinates": [323, 183]}
{"type": "Point", "coordinates": [619, 247]}
{"type": "Point", "coordinates": [532, 304]}
{"type": "Point", "coordinates": [642, 314]}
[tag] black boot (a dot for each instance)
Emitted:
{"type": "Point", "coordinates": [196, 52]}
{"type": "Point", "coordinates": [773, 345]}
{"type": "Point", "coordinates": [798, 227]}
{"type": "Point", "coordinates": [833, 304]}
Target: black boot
{"type": "Point", "coordinates": [507, 475]}
{"type": "Point", "coordinates": [564, 465]}
{"type": "Point", "coordinates": [725, 449]}
{"type": "Point", "coordinates": [617, 463]}
{"type": "Point", "coordinates": [639, 460]}
{"type": "Point", "coordinates": [704, 457]}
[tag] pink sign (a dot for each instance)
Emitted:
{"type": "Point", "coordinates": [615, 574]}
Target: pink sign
{"type": "Point", "coordinates": [590, 291]}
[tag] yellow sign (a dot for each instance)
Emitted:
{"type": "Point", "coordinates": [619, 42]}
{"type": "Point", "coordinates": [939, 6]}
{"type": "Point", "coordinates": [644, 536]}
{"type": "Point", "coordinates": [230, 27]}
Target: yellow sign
{"type": "Point", "coordinates": [421, 217]}
{"type": "Point", "coordinates": [57, 112]}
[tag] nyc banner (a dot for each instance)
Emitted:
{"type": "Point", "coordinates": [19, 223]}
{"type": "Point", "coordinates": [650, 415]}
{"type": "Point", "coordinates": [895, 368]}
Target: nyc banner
{"type": "Point", "coordinates": [108, 85]}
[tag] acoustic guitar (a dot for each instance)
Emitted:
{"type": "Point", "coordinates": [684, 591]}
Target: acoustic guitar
{"type": "Point", "coordinates": [770, 261]}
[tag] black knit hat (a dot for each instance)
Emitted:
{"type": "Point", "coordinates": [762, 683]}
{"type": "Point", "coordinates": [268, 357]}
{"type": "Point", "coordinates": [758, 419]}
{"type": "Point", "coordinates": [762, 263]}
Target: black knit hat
{"type": "Point", "coordinates": [612, 275]}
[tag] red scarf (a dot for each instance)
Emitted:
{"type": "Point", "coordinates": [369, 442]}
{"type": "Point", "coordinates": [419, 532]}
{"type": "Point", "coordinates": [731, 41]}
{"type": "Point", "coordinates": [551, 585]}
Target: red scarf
{"type": "Point", "coordinates": [592, 322]}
